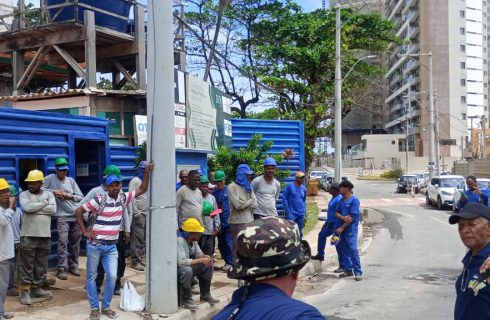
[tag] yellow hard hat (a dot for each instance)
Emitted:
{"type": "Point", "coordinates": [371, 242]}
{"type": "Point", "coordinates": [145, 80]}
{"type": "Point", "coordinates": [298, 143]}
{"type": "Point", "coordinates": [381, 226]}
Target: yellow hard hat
{"type": "Point", "coordinates": [35, 175]}
{"type": "Point", "coordinates": [192, 225]}
{"type": "Point", "coordinates": [3, 184]}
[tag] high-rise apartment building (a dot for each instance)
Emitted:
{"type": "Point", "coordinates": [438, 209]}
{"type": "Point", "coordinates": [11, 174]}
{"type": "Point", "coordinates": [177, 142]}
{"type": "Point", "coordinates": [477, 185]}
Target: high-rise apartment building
{"type": "Point", "coordinates": [455, 32]}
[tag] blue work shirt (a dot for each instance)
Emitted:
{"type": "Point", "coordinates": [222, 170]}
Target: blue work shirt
{"type": "Point", "coordinates": [473, 197]}
{"type": "Point", "coordinates": [221, 197]}
{"type": "Point", "coordinates": [178, 186]}
{"type": "Point", "coordinates": [268, 302]}
{"type": "Point", "coordinates": [332, 208]}
{"type": "Point", "coordinates": [467, 305]}
{"type": "Point", "coordinates": [294, 199]}
{"type": "Point", "coordinates": [350, 207]}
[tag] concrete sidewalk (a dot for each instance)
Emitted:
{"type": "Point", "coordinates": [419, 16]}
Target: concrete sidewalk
{"type": "Point", "coordinates": [69, 297]}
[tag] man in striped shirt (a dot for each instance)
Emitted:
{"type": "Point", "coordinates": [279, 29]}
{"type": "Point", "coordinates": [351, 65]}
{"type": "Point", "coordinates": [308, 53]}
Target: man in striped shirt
{"type": "Point", "coordinates": [103, 236]}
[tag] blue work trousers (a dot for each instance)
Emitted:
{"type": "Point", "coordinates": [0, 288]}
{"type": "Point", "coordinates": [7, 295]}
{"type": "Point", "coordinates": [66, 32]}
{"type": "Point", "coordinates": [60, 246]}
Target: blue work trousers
{"type": "Point", "coordinates": [225, 244]}
{"type": "Point", "coordinates": [107, 253]}
{"type": "Point", "coordinates": [300, 220]}
{"type": "Point", "coordinates": [350, 254]}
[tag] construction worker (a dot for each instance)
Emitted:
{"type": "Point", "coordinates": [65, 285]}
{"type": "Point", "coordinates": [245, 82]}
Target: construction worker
{"type": "Point", "coordinates": [294, 200]}
{"type": "Point", "coordinates": [183, 176]}
{"type": "Point", "coordinates": [111, 170]}
{"type": "Point", "coordinates": [267, 190]}
{"type": "Point", "coordinates": [35, 237]}
{"type": "Point", "coordinates": [7, 212]}
{"type": "Point", "coordinates": [211, 224]}
{"type": "Point", "coordinates": [15, 223]}
{"type": "Point", "coordinates": [68, 197]}
{"type": "Point", "coordinates": [270, 254]}
{"type": "Point", "coordinates": [189, 199]}
{"type": "Point", "coordinates": [103, 232]}
{"type": "Point", "coordinates": [139, 208]}
{"type": "Point", "coordinates": [225, 243]}
{"type": "Point", "coordinates": [192, 262]}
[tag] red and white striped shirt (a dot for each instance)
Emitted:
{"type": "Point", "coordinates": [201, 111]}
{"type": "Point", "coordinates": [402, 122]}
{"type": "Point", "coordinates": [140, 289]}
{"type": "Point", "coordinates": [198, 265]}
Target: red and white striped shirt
{"type": "Point", "coordinates": [108, 223]}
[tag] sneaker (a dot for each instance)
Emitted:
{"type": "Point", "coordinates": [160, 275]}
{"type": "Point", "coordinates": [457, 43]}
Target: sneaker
{"type": "Point", "coordinates": [61, 274]}
{"type": "Point", "coordinates": [317, 257]}
{"type": "Point", "coordinates": [13, 292]}
{"type": "Point", "coordinates": [25, 298]}
{"type": "Point", "coordinates": [75, 271]}
{"type": "Point", "coordinates": [49, 282]}
{"type": "Point", "coordinates": [40, 293]}
{"type": "Point", "coordinates": [209, 298]}
{"type": "Point", "coordinates": [346, 274]}
{"type": "Point", "coordinates": [8, 315]}
{"type": "Point", "coordinates": [339, 270]}
{"type": "Point", "coordinates": [138, 266]}
{"type": "Point", "coordinates": [358, 277]}
{"type": "Point", "coordinates": [226, 267]}
{"type": "Point", "coordinates": [143, 263]}
{"type": "Point", "coordinates": [189, 304]}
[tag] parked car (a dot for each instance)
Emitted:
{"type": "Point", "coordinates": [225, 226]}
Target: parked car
{"type": "Point", "coordinates": [441, 190]}
{"type": "Point", "coordinates": [483, 184]}
{"type": "Point", "coordinates": [327, 179]}
{"type": "Point", "coordinates": [405, 181]}
{"type": "Point", "coordinates": [423, 179]}
{"type": "Point", "coordinates": [318, 174]}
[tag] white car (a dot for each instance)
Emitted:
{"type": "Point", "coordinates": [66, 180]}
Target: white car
{"type": "Point", "coordinates": [441, 190]}
{"type": "Point", "coordinates": [423, 179]}
{"type": "Point", "coordinates": [318, 174]}
{"type": "Point", "coordinates": [484, 183]}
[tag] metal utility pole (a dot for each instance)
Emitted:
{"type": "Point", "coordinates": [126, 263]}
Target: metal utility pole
{"type": "Point", "coordinates": [161, 274]}
{"type": "Point", "coordinates": [436, 138]}
{"type": "Point", "coordinates": [483, 137]}
{"type": "Point", "coordinates": [431, 120]}
{"type": "Point", "coordinates": [338, 99]}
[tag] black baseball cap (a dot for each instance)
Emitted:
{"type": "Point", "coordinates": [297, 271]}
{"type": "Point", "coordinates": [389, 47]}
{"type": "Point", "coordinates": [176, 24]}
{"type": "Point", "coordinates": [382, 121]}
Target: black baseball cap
{"type": "Point", "coordinates": [471, 211]}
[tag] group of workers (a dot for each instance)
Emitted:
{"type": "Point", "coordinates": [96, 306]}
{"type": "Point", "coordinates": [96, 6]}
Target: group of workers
{"type": "Point", "coordinates": [107, 217]}
{"type": "Point", "coordinates": [208, 209]}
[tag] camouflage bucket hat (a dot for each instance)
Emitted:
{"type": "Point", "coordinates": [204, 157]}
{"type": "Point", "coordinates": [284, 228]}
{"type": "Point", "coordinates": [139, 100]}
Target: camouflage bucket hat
{"type": "Point", "coordinates": [268, 248]}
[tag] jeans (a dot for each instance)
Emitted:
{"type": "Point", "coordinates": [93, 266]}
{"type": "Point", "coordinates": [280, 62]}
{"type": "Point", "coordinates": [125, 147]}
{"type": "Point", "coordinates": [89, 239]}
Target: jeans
{"type": "Point", "coordinates": [69, 236]}
{"type": "Point", "coordinates": [350, 253]}
{"type": "Point", "coordinates": [300, 221]}
{"type": "Point", "coordinates": [225, 244]}
{"type": "Point", "coordinates": [33, 261]}
{"type": "Point", "coordinates": [187, 273]}
{"type": "Point", "coordinates": [121, 265]}
{"type": "Point", "coordinates": [107, 253]}
{"type": "Point", "coordinates": [138, 239]}
{"type": "Point", "coordinates": [4, 283]}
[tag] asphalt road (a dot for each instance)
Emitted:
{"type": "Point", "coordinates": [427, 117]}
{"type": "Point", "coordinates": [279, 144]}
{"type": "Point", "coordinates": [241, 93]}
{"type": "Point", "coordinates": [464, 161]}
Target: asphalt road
{"type": "Point", "coordinates": [410, 266]}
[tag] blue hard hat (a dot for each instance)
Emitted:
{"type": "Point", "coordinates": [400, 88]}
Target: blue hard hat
{"type": "Point", "coordinates": [270, 162]}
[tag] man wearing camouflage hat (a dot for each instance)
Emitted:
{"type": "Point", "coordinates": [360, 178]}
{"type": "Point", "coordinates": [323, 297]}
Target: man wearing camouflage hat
{"type": "Point", "coordinates": [269, 257]}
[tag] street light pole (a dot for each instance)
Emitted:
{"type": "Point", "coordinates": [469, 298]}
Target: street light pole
{"type": "Point", "coordinates": [338, 99]}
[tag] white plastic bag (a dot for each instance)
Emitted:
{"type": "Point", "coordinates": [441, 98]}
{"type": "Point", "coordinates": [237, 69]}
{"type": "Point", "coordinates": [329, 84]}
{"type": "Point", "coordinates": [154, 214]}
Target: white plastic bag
{"type": "Point", "coordinates": [131, 300]}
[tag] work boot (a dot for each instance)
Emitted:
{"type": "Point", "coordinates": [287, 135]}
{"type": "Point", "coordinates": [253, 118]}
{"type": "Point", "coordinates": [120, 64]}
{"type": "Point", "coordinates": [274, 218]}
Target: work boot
{"type": "Point", "coordinates": [339, 270]}
{"type": "Point", "coordinates": [209, 298]}
{"type": "Point", "coordinates": [13, 292]}
{"type": "Point", "coordinates": [143, 262]}
{"type": "Point", "coordinates": [75, 271]}
{"type": "Point", "coordinates": [61, 274]}
{"type": "Point", "coordinates": [317, 257]}
{"type": "Point", "coordinates": [346, 274]}
{"type": "Point", "coordinates": [48, 282]}
{"type": "Point", "coordinates": [138, 266]}
{"type": "Point", "coordinates": [7, 315]}
{"type": "Point", "coordinates": [25, 298]}
{"type": "Point", "coordinates": [40, 293]}
{"type": "Point", "coordinates": [189, 304]}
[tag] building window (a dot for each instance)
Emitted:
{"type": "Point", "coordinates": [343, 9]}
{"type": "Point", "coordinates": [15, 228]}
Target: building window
{"type": "Point", "coordinates": [462, 65]}
{"type": "Point", "coordinates": [461, 13]}
{"type": "Point", "coordinates": [462, 48]}
{"type": "Point", "coordinates": [462, 82]}
{"type": "Point", "coordinates": [461, 31]}
{"type": "Point", "coordinates": [463, 99]}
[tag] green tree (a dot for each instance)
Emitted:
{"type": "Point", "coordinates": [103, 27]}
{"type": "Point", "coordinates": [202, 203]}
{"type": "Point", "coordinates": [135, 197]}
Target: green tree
{"type": "Point", "coordinates": [228, 159]}
{"type": "Point", "coordinates": [296, 54]}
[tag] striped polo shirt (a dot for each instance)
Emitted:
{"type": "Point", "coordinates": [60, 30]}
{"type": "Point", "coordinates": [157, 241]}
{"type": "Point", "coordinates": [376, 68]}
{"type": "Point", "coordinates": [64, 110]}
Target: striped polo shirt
{"type": "Point", "coordinates": [108, 223]}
